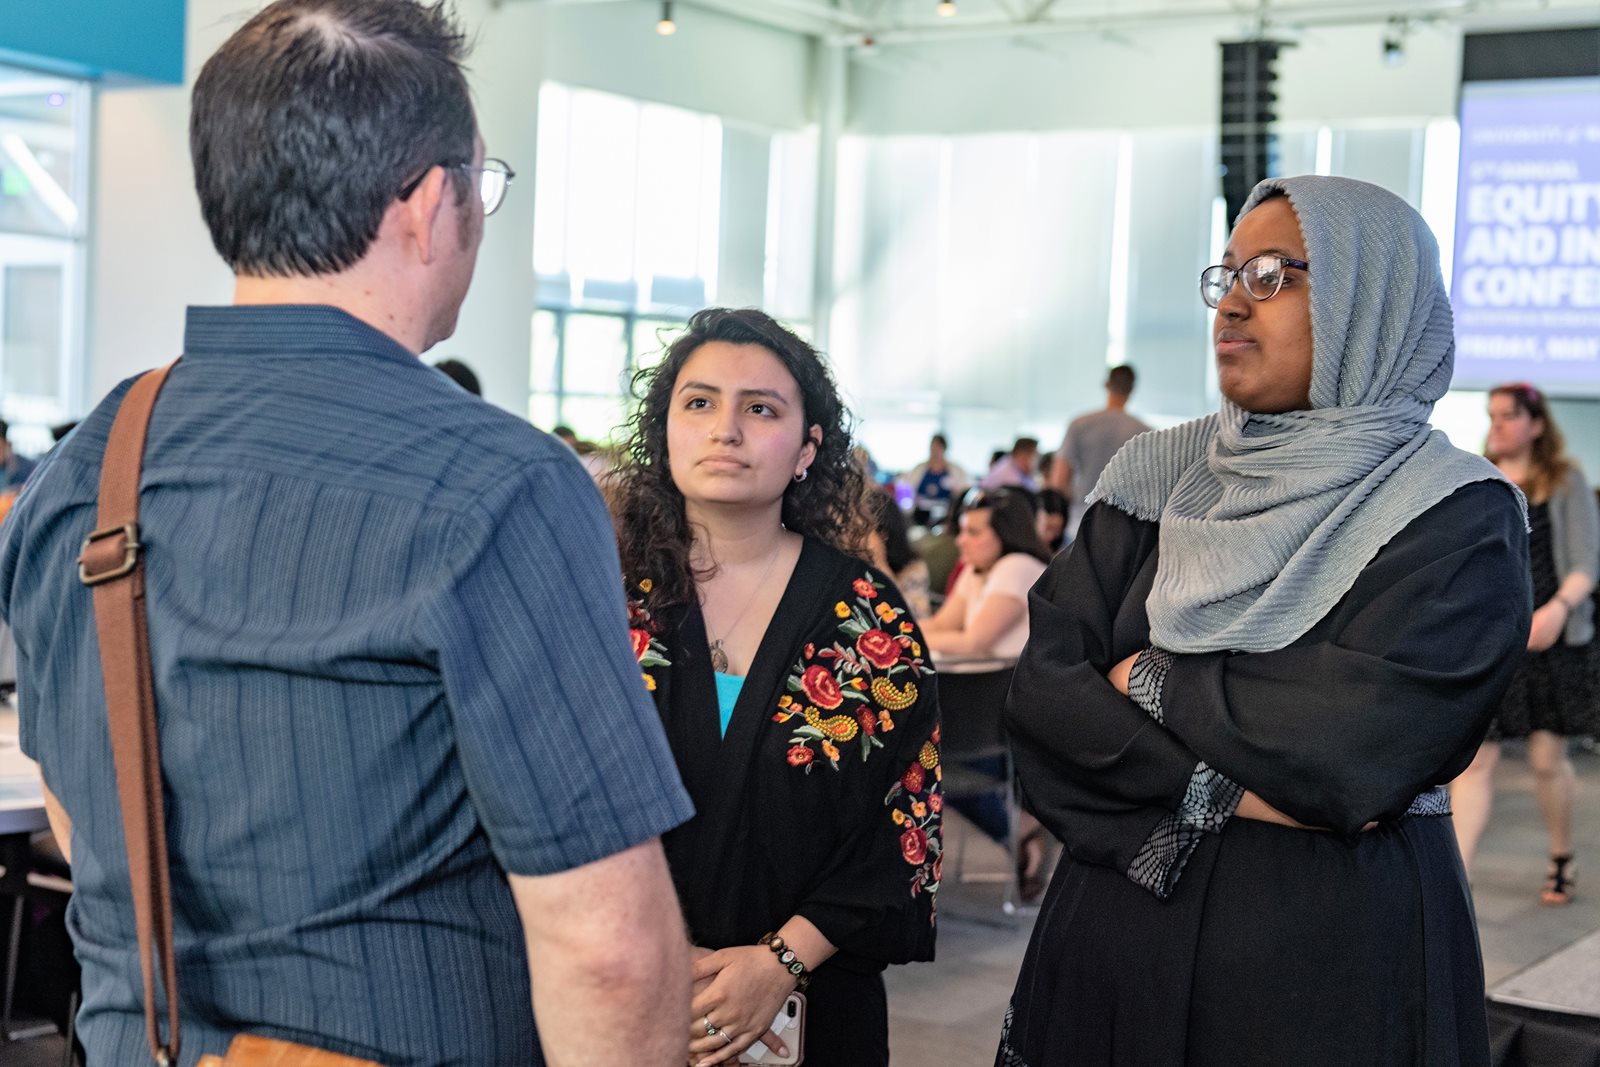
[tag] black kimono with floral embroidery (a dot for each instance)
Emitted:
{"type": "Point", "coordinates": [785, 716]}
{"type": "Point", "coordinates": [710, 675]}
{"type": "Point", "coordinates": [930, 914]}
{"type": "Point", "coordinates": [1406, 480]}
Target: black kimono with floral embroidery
{"type": "Point", "coordinates": [823, 799]}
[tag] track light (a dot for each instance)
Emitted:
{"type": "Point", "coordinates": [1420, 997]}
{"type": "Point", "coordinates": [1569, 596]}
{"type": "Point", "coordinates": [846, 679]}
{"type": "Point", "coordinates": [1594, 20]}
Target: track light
{"type": "Point", "coordinates": [1394, 42]}
{"type": "Point", "coordinates": [666, 27]}
{"type": "Point", "coordinates": [947, 8]}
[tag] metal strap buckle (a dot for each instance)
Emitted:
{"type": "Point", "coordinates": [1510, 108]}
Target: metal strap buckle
{"type": "Point", "coordinates": [130, 556]}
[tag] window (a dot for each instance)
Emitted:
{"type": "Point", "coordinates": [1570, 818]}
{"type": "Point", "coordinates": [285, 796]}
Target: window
{"type": "Point", "coordinates": [626, 231]}
{"type": "Point", "coordinates": [584, 363]}
{"type": "Point", "coordinates": [43, 187]}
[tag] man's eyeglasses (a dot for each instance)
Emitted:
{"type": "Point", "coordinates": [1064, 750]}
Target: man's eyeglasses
{"type": "Point", "coordinates": [1262, 277]}
{"type": "Point", "coordinates": [494, 177]}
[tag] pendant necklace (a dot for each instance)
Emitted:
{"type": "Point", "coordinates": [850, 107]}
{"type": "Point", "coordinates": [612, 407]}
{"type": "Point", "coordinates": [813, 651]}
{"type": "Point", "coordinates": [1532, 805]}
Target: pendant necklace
{"type": "Point", "coordinates": [719, 656]}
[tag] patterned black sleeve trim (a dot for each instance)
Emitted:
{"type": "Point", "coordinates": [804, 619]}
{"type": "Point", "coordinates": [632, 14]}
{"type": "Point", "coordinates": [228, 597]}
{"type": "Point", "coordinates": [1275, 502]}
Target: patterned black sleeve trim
{"type": "Point", "coordinates": [1148, 677]}
{"type": "Point", "coordinates": [1208, 804]}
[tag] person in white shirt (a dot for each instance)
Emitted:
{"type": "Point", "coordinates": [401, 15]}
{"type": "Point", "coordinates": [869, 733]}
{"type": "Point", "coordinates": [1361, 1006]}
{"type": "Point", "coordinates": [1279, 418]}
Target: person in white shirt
{"type": "Point", "coordinates": [986, 616]}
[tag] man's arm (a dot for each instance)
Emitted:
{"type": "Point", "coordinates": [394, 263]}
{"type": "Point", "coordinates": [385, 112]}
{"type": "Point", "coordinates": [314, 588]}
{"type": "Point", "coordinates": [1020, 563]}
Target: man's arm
{"type": "Point", "coordinates": [60, 824]}
{"type": "Point", "coordinates": [609, 961]}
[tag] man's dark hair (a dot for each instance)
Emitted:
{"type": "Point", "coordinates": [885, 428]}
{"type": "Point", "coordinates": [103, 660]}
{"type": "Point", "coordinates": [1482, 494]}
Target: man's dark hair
{"type": "Point", "coordinates": [5, 430]}
{"type": "Point", "coordinates": [938, 439]}
{"type": "Point", "coordinates": [1025, 444]}
{"type": "Point", "coordinates": [311, 118]}
{"type": "Point", "coordinates": [461, 374]}
{"type": "Point", "coordinates": [1120, 380]}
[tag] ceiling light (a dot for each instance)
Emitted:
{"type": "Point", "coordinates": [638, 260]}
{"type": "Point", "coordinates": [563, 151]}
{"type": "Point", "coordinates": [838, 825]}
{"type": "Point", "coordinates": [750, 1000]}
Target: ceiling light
{"type": "Point", "coordinates": [947, 8]}
{"type": "Point", "coordinates": [666, 27]}
{"type": "Point", "coordinates": [1394, 42]}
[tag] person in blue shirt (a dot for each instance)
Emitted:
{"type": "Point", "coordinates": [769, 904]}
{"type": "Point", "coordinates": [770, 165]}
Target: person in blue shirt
{"type": "Point", "coordinates": [409, 762]}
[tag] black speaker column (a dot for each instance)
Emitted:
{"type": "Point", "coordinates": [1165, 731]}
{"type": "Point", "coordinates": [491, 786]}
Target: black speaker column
{"type": "Point", "coordinates": [1249, 148]}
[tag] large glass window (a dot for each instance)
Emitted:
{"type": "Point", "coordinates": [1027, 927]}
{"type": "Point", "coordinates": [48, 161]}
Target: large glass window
{"type": "Point", "coordinates": [584, 363]}
{"type": "Point", "coordinates": [626, 231]}
{"type": "Point", "coordinates": [43, 190]}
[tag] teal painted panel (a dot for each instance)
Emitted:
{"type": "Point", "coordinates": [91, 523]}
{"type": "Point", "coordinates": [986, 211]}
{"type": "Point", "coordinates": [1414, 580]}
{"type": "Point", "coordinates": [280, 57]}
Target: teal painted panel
{"type": "Point", "coordinates": [117, 40]}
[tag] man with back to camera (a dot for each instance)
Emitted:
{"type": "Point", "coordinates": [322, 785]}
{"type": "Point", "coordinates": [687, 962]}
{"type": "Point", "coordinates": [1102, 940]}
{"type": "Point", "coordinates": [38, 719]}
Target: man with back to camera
{"type": "Point", "coordinates": [1091, 441]}
{"type": "Point", "coordinates": [407, 752]}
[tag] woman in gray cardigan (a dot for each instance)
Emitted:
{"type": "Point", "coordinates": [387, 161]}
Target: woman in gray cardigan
{"type": "Point", "coordinates": [1554, 694]}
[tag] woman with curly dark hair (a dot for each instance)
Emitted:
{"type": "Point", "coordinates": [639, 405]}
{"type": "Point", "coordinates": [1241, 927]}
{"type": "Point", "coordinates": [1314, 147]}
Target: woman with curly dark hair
{"type": "Point", "coordinates": [794, 689]}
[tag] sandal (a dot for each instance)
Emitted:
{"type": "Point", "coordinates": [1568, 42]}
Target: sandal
{"type": "Point", "coordinates": [1030, 865]}
{"type": "Point", "coordinates": [1558, 884]}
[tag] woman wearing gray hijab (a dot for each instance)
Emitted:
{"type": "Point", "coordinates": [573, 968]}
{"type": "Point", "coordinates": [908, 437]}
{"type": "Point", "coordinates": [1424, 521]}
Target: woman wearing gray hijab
{"type": "Point", "coordinates": [1281, 630]}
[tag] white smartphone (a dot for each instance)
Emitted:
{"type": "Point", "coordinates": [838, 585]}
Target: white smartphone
{"type": "Point", "coordinates": [790, 1025]}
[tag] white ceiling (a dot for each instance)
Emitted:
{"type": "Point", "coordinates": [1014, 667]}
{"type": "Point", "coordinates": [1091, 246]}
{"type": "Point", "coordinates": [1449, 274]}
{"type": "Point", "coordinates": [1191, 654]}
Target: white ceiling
{"type": "Point", "coordinates": [889, 22]}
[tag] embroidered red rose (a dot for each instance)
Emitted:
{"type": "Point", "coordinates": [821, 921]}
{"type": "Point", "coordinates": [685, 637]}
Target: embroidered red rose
{"type": "Point", "coordinates": [864, 588]}
{"type": "Point", "coordinates": [641, 643]}
{"type": "Point", "coordinates": [878, 648]}
{"type": "Point", "coordinates": [913, 778]}
{"type": "Point", "coordinates": [869, 722]}
{"type": "Point", "coordinates": [800, 755]}
{"type": "Point", "coordinates": [936, 802]}
{"type": "Point", "coordinates": [822, 688]}
{"type": "Point", "coordinates": [914, 845]}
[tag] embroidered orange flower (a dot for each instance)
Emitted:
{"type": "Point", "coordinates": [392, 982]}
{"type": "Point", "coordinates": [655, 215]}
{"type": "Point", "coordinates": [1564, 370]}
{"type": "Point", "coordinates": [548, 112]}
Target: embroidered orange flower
{"type": "Point", "coordinates": [898, 817]}
{"type": "Point", "coordinates": [842, 610]}
{"type": "Point", "coordinates": [886, 721]}
{"type": "Point", "coordinates": [641, 643]}
{"type": "Point", "coordinates": [800, 755]}
{"type": "Point", "coordinates": [886, 612]}
{"type": "Point", "coordinates": [858, 683]}
{"type": "Point", "coordinates": [821, 687]}
{"type": "Point", "coordinates": [649, 682]}
{"type": "Point", "coordinates": [864, 588]}
{"type": "Point", "coordinates": [645, 585]}
{"type": "Point", "coordinates": [785, 700]}
{"type": "Point", "coordinates": [919, 809]}
{"type": "Point", "coordinates": [878, 648]}
{"type": "Point", "coordinates": [830, 750]}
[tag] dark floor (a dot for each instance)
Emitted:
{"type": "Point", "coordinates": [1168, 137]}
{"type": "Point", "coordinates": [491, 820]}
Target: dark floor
{"type": "Point", "coordinates": [947, 1014]}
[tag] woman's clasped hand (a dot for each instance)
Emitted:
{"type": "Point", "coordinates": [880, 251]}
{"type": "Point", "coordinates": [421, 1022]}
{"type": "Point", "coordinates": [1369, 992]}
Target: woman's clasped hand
{"type": "Point", "coordinates": [737, 994]}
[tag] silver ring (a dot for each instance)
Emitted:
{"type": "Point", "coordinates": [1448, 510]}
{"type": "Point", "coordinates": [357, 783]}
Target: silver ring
{"type": "Point", "coordinates": [725, 1037]}
{"type": "Point", "coordinates": [711, 1031]}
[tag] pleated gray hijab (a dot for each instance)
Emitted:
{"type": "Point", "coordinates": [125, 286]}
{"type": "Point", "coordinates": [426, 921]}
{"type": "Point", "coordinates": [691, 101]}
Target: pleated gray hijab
{"type": "Point", "coordinates": [1267, 520]}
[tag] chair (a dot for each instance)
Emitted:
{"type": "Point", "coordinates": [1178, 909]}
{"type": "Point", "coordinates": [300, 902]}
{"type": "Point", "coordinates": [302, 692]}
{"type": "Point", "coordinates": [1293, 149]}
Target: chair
{"type": "Point", "coordinates": [972, 732]}
{"type": "Point", "coordinates": [31, 870]}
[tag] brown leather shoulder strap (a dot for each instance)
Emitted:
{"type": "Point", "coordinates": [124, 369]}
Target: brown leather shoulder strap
{"type": "Point", "coordinates": [111, 563]}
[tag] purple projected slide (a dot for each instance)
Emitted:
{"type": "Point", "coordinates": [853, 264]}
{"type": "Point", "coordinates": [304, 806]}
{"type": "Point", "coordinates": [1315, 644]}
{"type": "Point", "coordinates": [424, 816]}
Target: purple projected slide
{"type": "Point", "coordinates": [1526, 288]}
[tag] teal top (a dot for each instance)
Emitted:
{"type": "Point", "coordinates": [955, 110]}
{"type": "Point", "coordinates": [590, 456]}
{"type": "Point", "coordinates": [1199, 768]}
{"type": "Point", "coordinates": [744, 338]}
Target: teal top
{"type": "Point", "coordinates": [728, 687]}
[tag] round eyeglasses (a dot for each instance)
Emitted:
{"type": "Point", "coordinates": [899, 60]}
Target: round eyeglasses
{"type": "Point", "coordinates": [494, 178]}
{"type": "Point", "coordinates": [1262, 277]}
